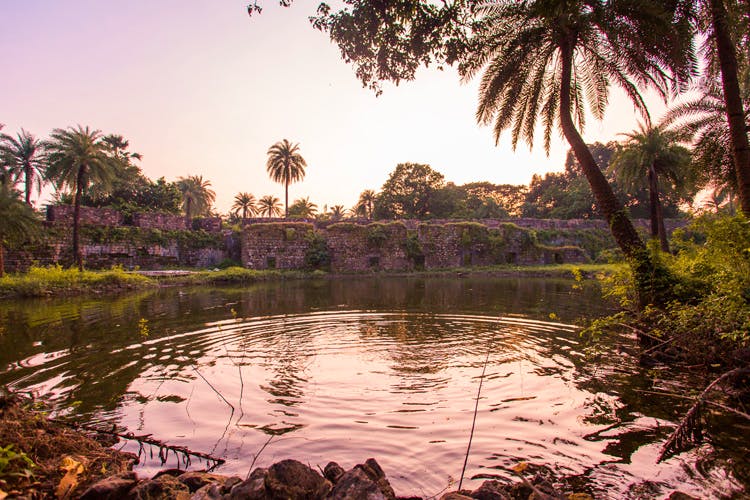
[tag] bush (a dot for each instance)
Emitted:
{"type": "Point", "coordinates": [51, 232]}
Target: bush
{"type": "Point", "coordinates": [317, 255]}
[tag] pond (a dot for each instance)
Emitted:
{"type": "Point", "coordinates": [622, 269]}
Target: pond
{"type": "Point", "coordinates": [350, 368]}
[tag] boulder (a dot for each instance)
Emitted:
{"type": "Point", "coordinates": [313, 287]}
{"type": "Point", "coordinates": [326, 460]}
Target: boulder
{"type": "Point", "coordinates": [195, 480]}
{"type": "Point", "coordinates": [164, 487]}
{"type": "Point", "coordinates": [333, 472]}
{"type": "Point", "coordinates": [454, 495]}
{"type": "Point", "coordinates": [252, 488]}
{"type": "Point", "coordinates": [356, 484]}
{"type": "Point", "coordinates": [112, 487]}
{"type": "Point", "coordinates": [491, 490]}
{"type": "Point", "coordinates": [293, 480]}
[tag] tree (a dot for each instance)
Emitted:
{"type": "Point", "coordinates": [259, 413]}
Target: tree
{"type": "Point", "coordinates": [23, 155]}
{"type": "Point", "coordinates": [18, 222]}
{"type": "Point", "coordinates": [541, 58]}
{"type": "Point", "coordinates": [269, 206]}
{"type": "Point", "coordinates": [285, 165]}
{"type": "Point", "coordinates": [647, 155]}
{"type": "Point", "coordinates": [245, 203]}
{"type": "Point", "coordinates": [366, 203]}
{"type": "Point", "coordinates": [197, 198]}
{"type": "Point", "coordinates": [302, 208]}
{"type": "Point", "coordinates": [338, 212]}
{"type": "Point", "coordinates": [78, 158]}
{"type": "Point", "coordinates": [408, 192]}
{"type": "Point", "coordinates": [717, 24]}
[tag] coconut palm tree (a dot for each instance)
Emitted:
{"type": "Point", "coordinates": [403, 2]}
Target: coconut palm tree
{"type": "Point", "coordinates": [269, 206]}
{"type": "Point", "coordinates": [303, 208]}
{"type": "Point", "coordinates": [18, 221]}
{"type": "Point", "coordinates": [77, 158]}
{"type": "Point", "coordinates": [649, 154]}
{"type": "Point", "coordinates": [23, 155]}
{"type": "Point", "coordinates": [245, 203]}
{"type": "Point", "coordinates": [338, 212]}
{"type": "Point", "coordinates": [551, 59]}
{"type": "Point", "coordinates": [285, 165]}
{"type": "Point", "coordinates": [366, 203]}
{"type": "Point", "coordinates": [197, 198]}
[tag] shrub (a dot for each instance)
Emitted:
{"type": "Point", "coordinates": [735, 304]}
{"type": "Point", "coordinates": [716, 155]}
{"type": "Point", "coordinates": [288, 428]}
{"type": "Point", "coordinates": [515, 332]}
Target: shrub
{"type": "Point", "coordinates": [317, 255]}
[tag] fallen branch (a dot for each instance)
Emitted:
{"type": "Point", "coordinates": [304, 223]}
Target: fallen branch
{"type": "Point", "coordinates": [164, 448]}
{"type": "Point", "coordinates": [689, 432]}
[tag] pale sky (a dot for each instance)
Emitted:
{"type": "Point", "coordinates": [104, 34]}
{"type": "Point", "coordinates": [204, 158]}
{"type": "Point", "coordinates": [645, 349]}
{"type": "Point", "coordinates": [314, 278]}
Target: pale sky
{"type": "Point", "coordinates": [199, 88]}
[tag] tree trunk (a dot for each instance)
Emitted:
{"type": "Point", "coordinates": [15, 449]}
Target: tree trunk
{"type": "Point", "coordinates": [28, 177]}
{"type": "Point", "coordinates": [188, 215]}
{"type": "Point", "coordinates": [286, 199]}
{"type": "Point", "coordinates": [2, 260]}
{"type": "Point", "coordinates": [734, 108]}
{"type": "Point", "coordinates": [77, 217]}
{"type": "Point", "coordinates": [650, 285]}
{"type": "Point", "coordinates": [655, 210]}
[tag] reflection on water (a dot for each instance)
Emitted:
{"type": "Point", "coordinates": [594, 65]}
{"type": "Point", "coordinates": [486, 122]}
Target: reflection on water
{"type": "Point", "coordinates": [348, 369]}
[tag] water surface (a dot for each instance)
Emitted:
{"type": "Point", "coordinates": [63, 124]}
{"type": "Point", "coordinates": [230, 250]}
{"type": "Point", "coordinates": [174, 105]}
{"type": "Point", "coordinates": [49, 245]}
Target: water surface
{"type": "Point", "coordinates": [353, 368]}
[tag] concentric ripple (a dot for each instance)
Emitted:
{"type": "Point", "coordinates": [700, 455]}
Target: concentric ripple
{"type": "Point", "coordinates": [347, 384]}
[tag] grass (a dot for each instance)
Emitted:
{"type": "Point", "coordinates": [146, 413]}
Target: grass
{"type": "Point", "coordinates": [55, 280]}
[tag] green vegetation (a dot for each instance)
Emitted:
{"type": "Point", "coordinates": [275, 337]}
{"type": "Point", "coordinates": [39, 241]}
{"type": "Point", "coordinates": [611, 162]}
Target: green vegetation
{"type": "Point", "coordinates": [18, 222]}
{"type": "Point", "coordinates": [54, 280]}
{"type": "Point", "coordinates": [317, 255]}
{"type": "Point", "coordinates": [285, 165]}
{"type": "Point", "coordinates": [197, 198]}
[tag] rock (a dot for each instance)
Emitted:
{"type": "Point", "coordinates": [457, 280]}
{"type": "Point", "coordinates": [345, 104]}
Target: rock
{"type": "Point", "coordinates": [491, 490]}
{"type": "Point", "coordinates": [195, 480]}
{"type": "Point", "coordinates": [253, 488]}
{"type": "Point", "coordinates": [356, 484]}
{"type": "Point", "coordinates": [163, 487]}
{"type": "Point", "coordinates": [454, 495]}
{"type": "Point", "coordinates": [112, 487]}
{"type": "Point", "coordinates": [169, 472]}
{"type": "Point", "coordinates": [678, 495]}
{"type": "Point", "coordinates": [374, 472]}
{"type": "Point", "coordinates": [292, 480]}
{"type": "Point", "coordinates": [210, 491]}
{"type": "Point", "coordinates": [333, 472]}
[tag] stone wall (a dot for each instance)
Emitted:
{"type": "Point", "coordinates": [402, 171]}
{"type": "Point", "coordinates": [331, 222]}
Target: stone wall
{"type": "Point", "coordinates": [159, 220]}
{"type": "Point", "coordinates": [374, 247]}
{"type": "Point", "coordinates": [210, 224]}
{"type": "Point", "coordinates": [276, 245]}
{"type": "Point", "coordinates": [393, 247]}
{"type": "Point", "coordinates": [63, 214]}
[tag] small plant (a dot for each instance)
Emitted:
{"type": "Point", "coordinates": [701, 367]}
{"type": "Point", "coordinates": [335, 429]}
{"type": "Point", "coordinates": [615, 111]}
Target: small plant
{"type": "Point", "coordinates": [376, 235]}
{"type": "Point", "coordinates": [143, 329]}
{"type": "Point", "coordinates": [317, 255]}
{"type": "Point", "coordinates": [15, 464]}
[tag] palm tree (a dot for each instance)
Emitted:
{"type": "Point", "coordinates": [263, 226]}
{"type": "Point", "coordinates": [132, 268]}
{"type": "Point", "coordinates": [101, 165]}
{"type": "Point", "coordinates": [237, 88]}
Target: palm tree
{"type": "Point", "coordinates": [652, 152]}
{"type": "Point", "coordinates": [18, 221]}
{"type": "Point", "coordinates": [23, 155]}
{"type": "Point", "coordinates": [197, 198]}
{"type": "Point", "coordinates": [244, 202]}
{"type": "Point", "coordinates": [77, 159]}
{"type": "Point", "coordinates": [303, 208]}
{"type": "Point", "coordinates": [270, 206]}
{"type": "Point", "coordinates": [285, 165]}
{"type": "Point", "coordinates": [338, 212]}
{"type": "Point", "coordinates": [717, 24]}
{"type": "Point", "coordinates": [550, 58]}
{"type": "Point", "coordinates": [366, 203]}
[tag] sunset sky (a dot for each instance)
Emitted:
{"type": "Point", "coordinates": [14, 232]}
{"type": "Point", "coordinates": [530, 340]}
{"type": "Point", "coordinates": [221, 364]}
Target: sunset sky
{"type": "Point", "coordinates": [199, 88]}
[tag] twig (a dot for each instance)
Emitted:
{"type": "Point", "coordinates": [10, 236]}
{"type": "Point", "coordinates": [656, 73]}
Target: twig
{"type": "Point", "coordinates": [474, 420]}
{"type": "Point", "coordinates": [145, 439]}
{"type": "Point", "coordinates": [255, 457]}
{"type": "Point", "coordinates": [214, 388]}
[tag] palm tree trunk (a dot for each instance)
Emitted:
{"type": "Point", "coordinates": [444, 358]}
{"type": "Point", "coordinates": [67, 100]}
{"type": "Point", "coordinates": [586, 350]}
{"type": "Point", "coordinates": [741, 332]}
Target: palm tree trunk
{"type": "Point", "coordinates": [734, 108]}
{"type": "Point", "coordinates": [656, 211]}
{"type": "Point", "coordinates": [649, 285]}
{"type": "Point", "coordinates": [188, 214]}
{"type": "Point", "coordinates": [77, 218]}
{"type": "Point", "coordinates": [28, 177]}
{"type": "Point", "coordinates": [286, 199]}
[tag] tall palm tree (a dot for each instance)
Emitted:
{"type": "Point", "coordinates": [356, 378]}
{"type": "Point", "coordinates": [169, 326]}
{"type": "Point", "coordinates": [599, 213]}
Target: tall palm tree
{"type": "Point", "coordinates": [648, 154]}
{"type": "Point", "coordinates": [269, 206]}
{"type": "Point", "coordinates": [18, 221]}
{"type": "Point", "coordinates": [23, 155]}
{"type": "Point", "coordinates": [338, 212]}
{"type": "Point", "coordinates": [548, 59]}
{"type": "Point", "coordinates": [244, 202]}
{"type": "Point", "coordinates": [717, 24]}
{"type": "Point", "coordinates": [366, 203]}
{"type": "Point", "coordinates": [285, 165]}
{"type": "Point", "coordinates": [197, 198]}
{"type": "Point", "coordinates": [303, 208]}
{"type": "Point", "coordinates": [77, 159]}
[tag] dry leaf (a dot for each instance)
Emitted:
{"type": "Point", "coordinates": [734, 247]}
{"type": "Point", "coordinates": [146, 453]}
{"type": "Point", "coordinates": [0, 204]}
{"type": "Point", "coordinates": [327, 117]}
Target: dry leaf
{"type": "Point", "coordinates": [72, 468]}
{"type": "Point", "coordinates": [519, 467]}
{"type": "Point", "coordinates": [580, 496]}
{"type": "Point", "coordinates": [3, 494]}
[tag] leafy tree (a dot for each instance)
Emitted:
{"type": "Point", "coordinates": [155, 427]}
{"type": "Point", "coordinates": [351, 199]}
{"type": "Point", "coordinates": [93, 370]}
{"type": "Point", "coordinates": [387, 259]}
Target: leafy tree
{"type": "Point", "coordinates": [119, 147]}
{"type": "Point", "coordinates": [245, 203]}
{"type": "Point", "coordinates": [366, 203]}
{"type": "Point", "coordinates": [18, 222]}
{"type": "Point", "coordinates": [197, 198]}
{"type": "Point", "coordinates": [269, 206]}
{"type": "Point", "coordinates": [77, 159]}
{"type": "Point", "coordinates": [285, 165]}
{"type": "Point", "coordinates": [649, 154]}
{"type": "Point", "coordinates": [542, 59]}
{"type": "Point", "coordinates": [487, 200]}
{"type": "Point", "coordinates": [302, 208]}
{"type": "Point", "coordinates": [408, 192]}
{"type": "Point", "coordinates": [23, 155]}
